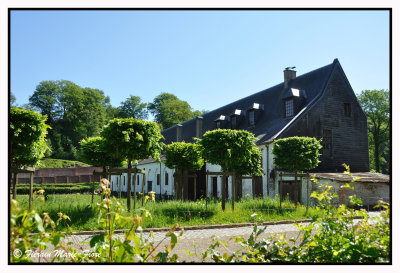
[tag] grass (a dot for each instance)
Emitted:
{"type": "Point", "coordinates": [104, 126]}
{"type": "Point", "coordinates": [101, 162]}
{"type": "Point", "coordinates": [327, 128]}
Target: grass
{"type": "Point", "coordinates": [60, 163]}
{"type": "Point", "coordinates": [84, 215]}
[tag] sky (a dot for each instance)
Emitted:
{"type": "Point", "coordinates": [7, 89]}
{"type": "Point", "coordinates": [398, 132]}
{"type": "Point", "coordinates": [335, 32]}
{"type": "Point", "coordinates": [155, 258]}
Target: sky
{"type": "Point", "coordinates": [208, 58]}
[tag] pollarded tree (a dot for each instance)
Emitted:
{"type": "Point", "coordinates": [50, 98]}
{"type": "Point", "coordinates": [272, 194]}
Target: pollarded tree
{"type": "Point", "coordinates": [183, 156]}
{"type": "Point", "coordinates": [234, 150]}
{"type": "Point", "coordinates": [92, 152]}
{"type": "Point", "coordinates": [27, 136]}
{"type": "Point", "coordinates": [132, 139]}
{"type": "Point", "coordinates": [297, 154]}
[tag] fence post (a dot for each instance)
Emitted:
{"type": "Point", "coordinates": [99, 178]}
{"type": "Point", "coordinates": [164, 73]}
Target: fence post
{"type": "Point", "coordinates": [30, 190]}
{"type": "Point", "coordinates": [280, 191]}
{"type": "Point", "coordinates": [233, 191]}
{"type": "Point", "coordinates": [143, 181]}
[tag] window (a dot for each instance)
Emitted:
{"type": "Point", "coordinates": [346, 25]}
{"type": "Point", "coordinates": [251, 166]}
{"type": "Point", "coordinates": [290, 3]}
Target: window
{"type": "Point", "coordinates": [218, 124]}
{"type": "Point", "coordinates": [251, 117]}
{"type": "Point", "coordinates": [166, 179]}
{"type": "Point", "coordinates": [289, 109]}
{"type": "Point", "coordinates": [233, 122]}
{"type": "Point", "coordinates": [124, 180]}
{"type": "Point", "coordinates": [347, 109]}
{"type": "Point", "coordinates": [327, 141]}
{"type": "Point", "coordinates": [158, 179]}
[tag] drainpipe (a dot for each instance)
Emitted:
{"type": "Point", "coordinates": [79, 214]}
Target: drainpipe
{"type": "Point", "coordinates": [160, 182]}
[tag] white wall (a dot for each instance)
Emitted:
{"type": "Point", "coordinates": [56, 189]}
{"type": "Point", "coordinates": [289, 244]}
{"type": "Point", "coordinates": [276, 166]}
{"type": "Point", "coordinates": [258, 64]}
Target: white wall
{"type": "Point", "coordinates": [152, 169]}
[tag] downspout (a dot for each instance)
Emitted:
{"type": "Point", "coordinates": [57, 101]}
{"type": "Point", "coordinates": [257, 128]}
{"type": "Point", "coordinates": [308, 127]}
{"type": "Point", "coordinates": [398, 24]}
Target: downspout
{"type": "Point", "coordinates": [160, 182]}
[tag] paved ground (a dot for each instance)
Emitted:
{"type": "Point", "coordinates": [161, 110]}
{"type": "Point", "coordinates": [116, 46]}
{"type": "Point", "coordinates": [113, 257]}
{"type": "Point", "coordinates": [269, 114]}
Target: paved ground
{"type": "Point", "coordinates": [203, 238]}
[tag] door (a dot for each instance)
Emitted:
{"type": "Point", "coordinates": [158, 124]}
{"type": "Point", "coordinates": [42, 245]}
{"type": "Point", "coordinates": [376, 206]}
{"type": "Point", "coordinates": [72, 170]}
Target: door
{"type": "Point", "coordinates": [215, 187]}
{"type": "Point", "coordinates": [149, 186]}
{"type": "Point", "coordinates": [258, 191]}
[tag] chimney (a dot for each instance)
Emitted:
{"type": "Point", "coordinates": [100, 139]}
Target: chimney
{"type": "Point", "coordinates": [199, 126]}
{"type": "Point", "coordinates": [178, 132]}
{"type": "Point", "coordinates": [289, 74]}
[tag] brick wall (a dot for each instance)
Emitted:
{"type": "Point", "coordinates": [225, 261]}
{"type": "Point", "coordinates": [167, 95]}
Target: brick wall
{"type": "Point", "coordinates": [61, 175]}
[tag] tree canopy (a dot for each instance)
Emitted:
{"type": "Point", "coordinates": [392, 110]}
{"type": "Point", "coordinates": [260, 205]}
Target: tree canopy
{"type": "Point", "coordinates": [375, 104]}
{"type": "Point", "coordinates": [168, 110]}
{"type": "Point", "coordinates": [132, 107]}
{"type": "Point", "coordinates": [132, 139]}
{"type": "Point", "coordinates": [297, 153]}
{"type": "Point", "coordinates": [233, 150]}
{"type": "Point", "coordinates": [184, 156]}
{"type": "Point", "coordinates": [73, 112]}
{"type": "Point", "coordinates": [28, 132]}
{"type": "Point", "coordinates": [92, 152]}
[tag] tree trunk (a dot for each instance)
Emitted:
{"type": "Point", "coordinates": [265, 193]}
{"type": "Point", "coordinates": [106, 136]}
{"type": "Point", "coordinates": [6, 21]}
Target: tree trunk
{"type": "Point", "coordinates": [182, 185]}
{"type": "Point", "coordinates": [15, 186]}
{"type": "Point", "coordinates": [30, 190]}
{"type": "Point", "coordinates": [128, 191]}
{"type": "Point", "coordinates": [376, 153]}
{"type": "Point", "coordinates": [223, 192]}
{"type": "Point", "coordinates": [233, 191]}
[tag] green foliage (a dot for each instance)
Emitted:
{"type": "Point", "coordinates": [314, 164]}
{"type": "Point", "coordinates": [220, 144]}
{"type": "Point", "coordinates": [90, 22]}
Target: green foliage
{"type": "Point", "coordinates": [106, 247]}
{"type": "Point", "coordinates": [297, 153]}
{"type": "Point", "coordinates": [60, 163]}
{"type": "Point", "coordinates": [164, 213]}
{"type": "Point", "coordinates": [332, 237]}
{"type": "Point", "coordinates": [184, 156]}
{"type": "Point", "coordinates": [73, 112]}
{"type": "Point", "coordinates": [132, 107]}
{"type": "Point", "coordinates": [233, 150]}
{"type": "Point", "coordinates": [28, 132]}
{"type": "Point", "coordinates": [59, 188]}
{"type": "Point", "coordinates": [168, 110]}
{"type": "Point", "coordinates": [375, 104]}
{"type": "Point", "coordinates": [13, 100]}
{"type": "Point", "coordinates": [132, 139]}
{"type": "Point", "coordinates": [92, 152]}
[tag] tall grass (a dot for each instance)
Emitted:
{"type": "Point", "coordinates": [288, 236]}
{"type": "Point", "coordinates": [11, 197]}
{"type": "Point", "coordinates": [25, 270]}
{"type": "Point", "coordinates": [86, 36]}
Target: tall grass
{"type": "Point", "coordinates": [83, 214]}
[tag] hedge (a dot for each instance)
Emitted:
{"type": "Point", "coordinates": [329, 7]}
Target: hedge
{"type": "Point", "coordinates": [58, 188]}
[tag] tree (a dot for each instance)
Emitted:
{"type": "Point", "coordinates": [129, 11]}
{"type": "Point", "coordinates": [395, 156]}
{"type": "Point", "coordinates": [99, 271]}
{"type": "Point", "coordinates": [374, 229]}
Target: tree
{"type": "Point", "coordinates": [132, 107]}
{"type": "Point", "coordinates": [235, 151]}
{"type": "Point", "coordinates": [184, 157]}
{"type": "Point", "coordinates": [27, 136]}
{"type": "Point", "coordinates": [375, 104]}
{"type": "Point", "coordinates": [73, 112]}
{"type": "Point", "coordinates": [132, 139]}
{"type": "Point", "coordinates": [92, 152]}
{"type": "Point", "coordinates": [297, 154]}
{"type": "Point", "coordinates": [168, 110]}
{"type": "Point", "coordinates": [13, 100]}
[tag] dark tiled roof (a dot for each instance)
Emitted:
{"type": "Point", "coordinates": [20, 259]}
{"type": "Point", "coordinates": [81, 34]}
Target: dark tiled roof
{"type": "Point", "coordinates": [269, 121]}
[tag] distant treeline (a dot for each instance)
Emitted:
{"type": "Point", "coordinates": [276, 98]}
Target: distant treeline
{"type": "Point", "coordinates": [75, 113]}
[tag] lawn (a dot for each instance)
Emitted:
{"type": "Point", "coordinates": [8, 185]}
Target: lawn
{"type": "Point", "coordinates": [84, 215]}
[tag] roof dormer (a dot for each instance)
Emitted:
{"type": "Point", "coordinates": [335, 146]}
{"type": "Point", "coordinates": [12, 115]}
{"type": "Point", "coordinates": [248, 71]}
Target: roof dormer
{"type": "Point", "coordinates": [253, 112]}
{"type": "Point", "coordinates": [221, 121]}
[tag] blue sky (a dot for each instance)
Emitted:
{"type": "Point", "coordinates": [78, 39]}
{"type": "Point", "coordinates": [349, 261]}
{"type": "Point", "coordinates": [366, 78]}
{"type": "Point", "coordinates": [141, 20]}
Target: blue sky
{"type": "Point", "coordinates": [208, 58]}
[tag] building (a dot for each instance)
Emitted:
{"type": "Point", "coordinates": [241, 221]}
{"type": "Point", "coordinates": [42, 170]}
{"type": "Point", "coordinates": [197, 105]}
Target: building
{"type": "Point", "coordinates": [320, 104]}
